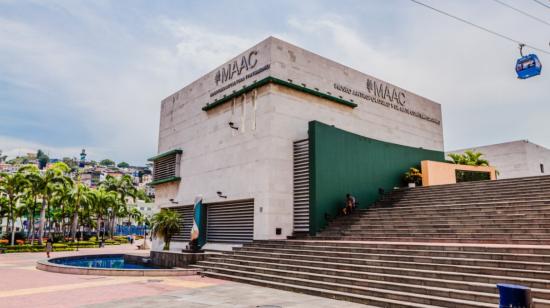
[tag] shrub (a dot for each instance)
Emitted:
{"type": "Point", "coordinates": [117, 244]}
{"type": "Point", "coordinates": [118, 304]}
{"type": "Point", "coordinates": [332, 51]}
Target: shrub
{"type": "Point", "coordinates": [18, 236]}
{"type": "Point", "coordinates": [4, 242]}
{"type": "Point", "coordinates": [36, 248]}
{"type": "Point", "coordinates": [58, 237]}
{"type": "Point", "coordinates": [412, 176]}
{"type": "Point", "coordinates": [82, 243]}
{"type": "Point", "coordinates": [84, 235]}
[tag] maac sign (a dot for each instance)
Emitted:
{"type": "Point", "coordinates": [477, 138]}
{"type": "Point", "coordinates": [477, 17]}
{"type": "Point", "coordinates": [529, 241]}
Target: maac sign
{"type": "Point", "coordinates": [383, 91]}
{"type": "Point", "coordinates": [236, 68]}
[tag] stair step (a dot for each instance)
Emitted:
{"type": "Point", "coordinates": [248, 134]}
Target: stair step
{"type": "Point", "coordinates": [378, 280]}
{"type": "Point", "coordinates": [378, 297]}
{"type": "Point", "coordinates": [417, 254]}
{"type": "Point", "coordinates": [359, 264]}
{"type": "Point", "coordinates": [439, 246]}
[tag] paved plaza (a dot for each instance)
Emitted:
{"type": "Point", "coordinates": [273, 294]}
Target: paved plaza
{"type": "Point", "coordinates": [21, 284]}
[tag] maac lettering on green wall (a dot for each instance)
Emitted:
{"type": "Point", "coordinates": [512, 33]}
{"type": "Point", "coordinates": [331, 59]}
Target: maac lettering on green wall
{"type": "Point", "coordinates": [342, 162]}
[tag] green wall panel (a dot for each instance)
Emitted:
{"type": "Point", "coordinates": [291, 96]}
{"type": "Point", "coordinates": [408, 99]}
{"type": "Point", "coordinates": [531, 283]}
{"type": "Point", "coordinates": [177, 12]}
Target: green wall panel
{"type": "Point", "coordinates": [342, 162]}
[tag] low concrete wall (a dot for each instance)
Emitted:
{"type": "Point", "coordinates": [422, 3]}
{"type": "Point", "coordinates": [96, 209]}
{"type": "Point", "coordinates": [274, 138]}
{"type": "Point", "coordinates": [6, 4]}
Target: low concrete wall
{"type": "Point", "coordinates": [175, 259]}
{"type": "Point", "coordinates": [48, 266]}
{"type": "Point", "coordinates": [438, 173]}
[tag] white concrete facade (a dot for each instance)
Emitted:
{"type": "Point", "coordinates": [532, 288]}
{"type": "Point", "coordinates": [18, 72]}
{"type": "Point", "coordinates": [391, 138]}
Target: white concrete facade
{"type": "Point", "coordinates": [255, 161]}
{"type": "Point", "coordinates": [515, 159]}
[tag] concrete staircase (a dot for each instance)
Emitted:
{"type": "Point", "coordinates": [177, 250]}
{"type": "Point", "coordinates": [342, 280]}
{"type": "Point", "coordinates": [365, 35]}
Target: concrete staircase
{"type": "Point", "coordinates": [444, 246]}
{"type": "Point", "coordinates": [515, 211]}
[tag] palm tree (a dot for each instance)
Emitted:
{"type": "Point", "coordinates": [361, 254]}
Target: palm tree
{"type": "Point", "coordinates": [60, 204]}
{"type": "Point", "coordinates": [12, 185]}
{"type": "Point", "coordinates": [3, 210]}
{"type": "Point", "coordinates": [474, 158]}
{"type": "Point", "coordinates": [456, 158]}
{"type": "Point", "coordinates": [79, 195]}
{"type": "Point", "coordinates": [23, 210]}
{"type": "Point", "coordinates": [134, 214]}
{"type": "Point", "coordinates": [32, 191]}
{"type": "Point", "coordinates": [101, 202]}
{"type": "Point", "coordinates": [468, 158]}
{"type": "Point", "coordinates": [165, 224]}
{"type": "Point", "coordinates": [124, 188]}
{"type": "Point", "coordinates": [55, 174]}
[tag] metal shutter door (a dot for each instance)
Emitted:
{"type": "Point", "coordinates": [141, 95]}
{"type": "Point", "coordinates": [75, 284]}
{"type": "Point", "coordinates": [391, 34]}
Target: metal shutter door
{"type": "Point", "coordinates": [230, 222]}
{"type": "Point", "coordinates": [186, 212]}
{"type": "Point", "coordinates": [301, 186]}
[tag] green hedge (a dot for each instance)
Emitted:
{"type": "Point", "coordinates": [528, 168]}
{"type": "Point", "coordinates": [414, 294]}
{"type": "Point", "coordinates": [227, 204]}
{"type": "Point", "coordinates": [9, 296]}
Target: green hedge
{"type": "Point", "coordinates": [82, 243]}
{"type": "Point", "coordinates": [66, 246]}
{"type": "Point", "coordinates": [36, 248]}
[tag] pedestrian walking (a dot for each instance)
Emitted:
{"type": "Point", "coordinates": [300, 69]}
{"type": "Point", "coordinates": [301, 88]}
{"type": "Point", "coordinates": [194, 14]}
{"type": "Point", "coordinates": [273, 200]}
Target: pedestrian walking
{"type": "Point", "coordinates": [49, 246]}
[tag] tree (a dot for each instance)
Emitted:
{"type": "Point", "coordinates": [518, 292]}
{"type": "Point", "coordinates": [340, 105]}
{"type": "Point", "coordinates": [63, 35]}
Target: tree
{"type": "Point", "coordinates": [3, 210]}
{"type": "Point", "coordinates": [43, 159]}
{"type": "Point", "coordinates": [134, 214]}
{"type": "Point", "coordinates": [12, 185]}
{"type": "Point", "coordinates": [32, 192]}
{"type": "Point", "coordinates": [101, 201]}
{"type": "Point", "coordinates": [61, 204]}
{"type": "Point", "coordinates": [165, 224]}
{"type": "Point", "coordinates": [79, 195]}
{"type": "Point", "coordinates": [468, 158]}
{"type": "Point", "coordinates": [474, 158]}
{"type": "Point", "coordinates": [142, 195]}
{"type": "Point", "coordinates": [123, 165]}
{"type": "Point", "coordinates": [54, 175]}
{"type": "Point", "coordinates": [21, 211]}
{"type": "Point", "coordinates": [18, 161]}
{"type": "Point", "coordinates": [71, 162]}
{"type": "Point", "coordinates": [107, 163]}
{"type": "Point", "coordinates": [123, 187]}
{"type": "Point", "coordinates": [2, 157]}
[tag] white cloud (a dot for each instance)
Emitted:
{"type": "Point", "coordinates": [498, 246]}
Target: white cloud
{"type": "Point", "coordinates": [468, 72]}
{"type": "Point", "coordinates": [119, 105]}
{"type": "Point", "coordinates": [114, 77]}
{"type": "Point", "coordinates": [13, 147]}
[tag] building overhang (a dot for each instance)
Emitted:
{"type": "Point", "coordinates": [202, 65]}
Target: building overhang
{"type": "Point", "coordinates": [277, 81]}
{"type": "Point", "coordinates": [161, 155]}
{"type": "Point", "coordinates": [166, 180]}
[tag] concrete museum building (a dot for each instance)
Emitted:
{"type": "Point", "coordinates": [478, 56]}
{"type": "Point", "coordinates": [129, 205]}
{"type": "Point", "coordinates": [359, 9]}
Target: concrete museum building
{"type": "Point", "coordinates": [275, 138]}
{"type": "Point", "coordinates": [515, 159]}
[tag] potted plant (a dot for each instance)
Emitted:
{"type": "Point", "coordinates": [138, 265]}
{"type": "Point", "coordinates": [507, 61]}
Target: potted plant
{"type": "Point", "coordinates": [412, 177]}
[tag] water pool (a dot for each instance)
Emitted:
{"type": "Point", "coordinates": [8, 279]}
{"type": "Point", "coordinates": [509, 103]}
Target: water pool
{"type": "Point", "coordinates": [110, 265]}
{"type": "Point", "coordinates": [99, 261]}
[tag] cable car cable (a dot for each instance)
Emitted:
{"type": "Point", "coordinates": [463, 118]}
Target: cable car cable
{"type": "Point", "coordinates": [522, 12]}
{"type": "Point", "coordinates": [541, 3]}
{"type": "Point", "coordinates": [480, 27]}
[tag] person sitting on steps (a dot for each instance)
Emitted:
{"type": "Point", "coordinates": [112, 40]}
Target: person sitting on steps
{"type": "Point", "coordinates": [351, 204]}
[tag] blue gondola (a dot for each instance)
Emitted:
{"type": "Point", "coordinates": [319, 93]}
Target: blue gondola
{"type": "Point", "coordinates": [527, 66]}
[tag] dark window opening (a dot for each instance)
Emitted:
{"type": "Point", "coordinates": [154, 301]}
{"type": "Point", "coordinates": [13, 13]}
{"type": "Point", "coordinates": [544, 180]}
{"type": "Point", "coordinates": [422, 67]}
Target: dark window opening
{"type": "Point", "coordinates": [469, 176]}
{"type": "Point", "coordinates": [541, 168]}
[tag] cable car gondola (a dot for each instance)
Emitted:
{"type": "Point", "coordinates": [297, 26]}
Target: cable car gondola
{"type": "Point", "coordinates": [527, 66]}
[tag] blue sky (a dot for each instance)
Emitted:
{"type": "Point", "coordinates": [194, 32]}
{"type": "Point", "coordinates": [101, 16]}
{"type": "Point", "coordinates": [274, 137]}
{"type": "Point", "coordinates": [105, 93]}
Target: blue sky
{"type": "Point", "coordinates": [91, 74]}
